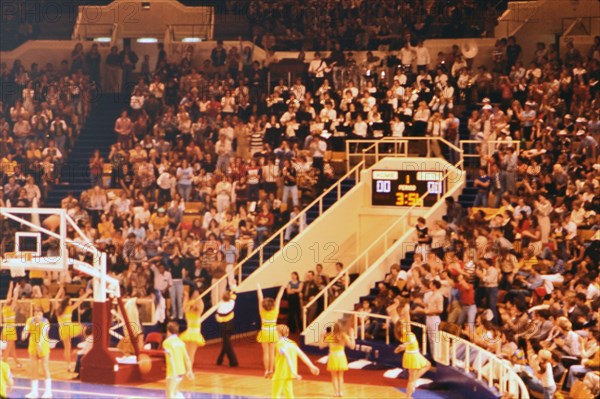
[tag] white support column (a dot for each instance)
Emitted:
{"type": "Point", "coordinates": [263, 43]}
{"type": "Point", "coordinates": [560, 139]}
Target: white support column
{"type": "Point", "coordinates": [63, 253]}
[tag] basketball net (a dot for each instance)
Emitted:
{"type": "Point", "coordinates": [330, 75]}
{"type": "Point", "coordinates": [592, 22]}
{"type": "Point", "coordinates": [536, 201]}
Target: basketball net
{"type": "Point", "coordinates": [18, 270]}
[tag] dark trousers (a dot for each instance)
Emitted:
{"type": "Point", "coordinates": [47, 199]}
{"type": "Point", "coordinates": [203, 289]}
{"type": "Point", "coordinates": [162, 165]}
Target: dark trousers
{"type": "Point", "coordinates": [226, 348]}
{"type": "Point", "coordinates": [491, 294]}
{"type": "Point", "coordinates": [318, 163]}
{"type": "Point", "coordinates": [78, 364]}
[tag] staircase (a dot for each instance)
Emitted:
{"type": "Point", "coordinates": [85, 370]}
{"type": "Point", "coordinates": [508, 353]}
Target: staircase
{"type": "Point", "coordinates": [97, 133]}
{"type": "Point", "coordinates": [273, 243]}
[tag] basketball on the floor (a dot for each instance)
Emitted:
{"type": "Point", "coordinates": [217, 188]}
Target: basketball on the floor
{"type": "Point", "coordinates": [144, 363]}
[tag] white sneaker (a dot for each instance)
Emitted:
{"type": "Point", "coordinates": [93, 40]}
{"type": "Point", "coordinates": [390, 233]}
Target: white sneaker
{"type": "Point", "coordinates": [33, 395]}
{"type": "Point", "coordinates": [179, 395]}
{"type": "Point", "coordinates": [47, 395]}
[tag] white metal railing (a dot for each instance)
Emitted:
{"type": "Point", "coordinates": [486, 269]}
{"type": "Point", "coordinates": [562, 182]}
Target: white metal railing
{"type": "Point", "coordinates": [382, 244]}
{"type": "Point", "coordinates": [478, 362]}
{"type": "Point", "coordinates": [467, 146]}
{"type": "Point", "coordinates": [363, 316]}
{"type": "Point", "coordinates": [392, 147]}
{"type": "Point", "coordinates": [377, 148]}
{"type": "Point", "coordinates": [279, 235]}
{"type": "Point", "coordinates": [25, 307]}
{"type": "Point", "coordinates": [486, 366]}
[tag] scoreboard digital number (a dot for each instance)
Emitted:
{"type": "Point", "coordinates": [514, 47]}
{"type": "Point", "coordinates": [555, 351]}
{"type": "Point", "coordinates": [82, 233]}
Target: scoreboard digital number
{"type": "Point", "coordinates": [406, 187]}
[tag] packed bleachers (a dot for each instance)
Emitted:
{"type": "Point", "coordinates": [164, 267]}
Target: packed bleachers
{"type": "Point", "coordinates": [208, 160]}
{"type": "Point", "coordinates": [43, 110]}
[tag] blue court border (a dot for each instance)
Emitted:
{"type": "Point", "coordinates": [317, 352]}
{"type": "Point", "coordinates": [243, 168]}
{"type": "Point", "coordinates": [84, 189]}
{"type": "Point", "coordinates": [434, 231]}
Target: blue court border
{"type": "Point", "coordinates": [82, 390]}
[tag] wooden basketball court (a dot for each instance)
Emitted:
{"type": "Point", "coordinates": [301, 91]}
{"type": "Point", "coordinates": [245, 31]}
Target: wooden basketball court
{"type": "Point", "coordinates": [217, 385]}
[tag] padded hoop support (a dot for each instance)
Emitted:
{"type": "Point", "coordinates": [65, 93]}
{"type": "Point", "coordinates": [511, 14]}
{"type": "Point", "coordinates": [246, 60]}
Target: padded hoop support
{"type": "Point", "coordinates": [100, 365]}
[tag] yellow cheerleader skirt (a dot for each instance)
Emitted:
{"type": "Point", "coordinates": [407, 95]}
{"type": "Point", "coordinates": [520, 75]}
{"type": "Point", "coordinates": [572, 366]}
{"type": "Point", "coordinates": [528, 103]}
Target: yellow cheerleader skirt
{"type": "Point", "coordinates": [69, 330]}
{"type": "Point", "coordinates": [193, 336]}
{"type": "Point", "coordinates": [9, 333]}
{"type": "Point", "coordinates": [337, 362]}
{"type": "Point", "coordinates": [414, 361]}
{"type": "Point", "coordinates": [267, 335]}
{"type": "Point", "coordinates": [38, 350]}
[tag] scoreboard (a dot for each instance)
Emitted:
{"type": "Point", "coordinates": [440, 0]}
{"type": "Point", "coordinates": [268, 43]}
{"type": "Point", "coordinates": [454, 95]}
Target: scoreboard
{"type": "Point", "coordinates": [406, 187]}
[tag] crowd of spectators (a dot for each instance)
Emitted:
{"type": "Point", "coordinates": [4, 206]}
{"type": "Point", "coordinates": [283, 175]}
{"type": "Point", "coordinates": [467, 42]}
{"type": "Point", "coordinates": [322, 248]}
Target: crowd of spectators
{"type": "Point", "coordinates": [217, 136]}
{"type": "Point", "coordinates": [518, 273]}
{"type": "Point", "coordinates": [366, 25]}
{"type": "Point", "coordinates": [42, 110]}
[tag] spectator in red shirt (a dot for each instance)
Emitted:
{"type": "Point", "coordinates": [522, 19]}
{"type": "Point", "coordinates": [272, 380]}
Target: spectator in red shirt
{"type": "Point", "coordinates": [467, 301]}
{"type": "Point", "coordinates": [264, 222]}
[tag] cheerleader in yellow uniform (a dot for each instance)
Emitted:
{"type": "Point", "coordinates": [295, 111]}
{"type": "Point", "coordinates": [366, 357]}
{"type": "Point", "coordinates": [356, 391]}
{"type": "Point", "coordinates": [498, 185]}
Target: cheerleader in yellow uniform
{"type": "Point", "coordinates": [37, 328]}
{"type": "Point", "coordinates": [267, 336]}
{"type": "Point", "coordinates": [9, 330]}
{"type": "Point", "coordinates": [6, 379]}
{"type": "Point", "coordinates": [286, 365]}
{"type": "Point", "coordinates": [192, 336]}
{"type": "Point", "coordinates": [413, 360]}
{"type": "Point", "coordinates": [178, 361]}
{"type": "Point", "coordinates": [67, 328]}
{"type": "Point", "coordinates": [337, 363]}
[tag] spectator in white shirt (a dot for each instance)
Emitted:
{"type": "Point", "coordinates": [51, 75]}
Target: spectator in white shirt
{"type": "Point", "coordinates": [407, 56]}
{"type": "Point", "coordinates": [360, 127]}
{"type": "Point", "coordinates": [54, 153]}
{"type": "Point", "coordinates": [166, 183]}
{"type": "Point", "coordinates": [328, 114]}
{"type": "Point", "coordinates": [422, 56]}
{"type": "Point", "coordinates": [368, 101]}
{"type": "Point", "coordinates": [578, 213]}
{"type": "Point", "coordinates": [136, 102]}
{"type": "Point", "coordinates": [318, 147]}
{"type": "Point", "coordinates": [298, 89]}
{"type": "Point", "coordinates": [397, 126]}
{"type": "Point", "coordinates": [317, 69]}
{"type": "Point", "coordinates": [32, 190]}
{"type": "Point", "coordinates": [223, 151]}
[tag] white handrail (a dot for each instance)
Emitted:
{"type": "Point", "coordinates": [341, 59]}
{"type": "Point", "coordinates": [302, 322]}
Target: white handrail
{"type": "Point", "coordinates": [509, 381]}
{"type": "Point", "coordinates": [397, 141]}
{"type": "Point", "coordinates": [237, 270]}
{"type": "Point", "coordinates": [492, 145]}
